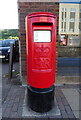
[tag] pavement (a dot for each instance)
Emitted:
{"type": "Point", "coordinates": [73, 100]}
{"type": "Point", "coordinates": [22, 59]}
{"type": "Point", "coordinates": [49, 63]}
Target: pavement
{"type": "Point", "coordinates": [67, 97]}
{"type": "Point", "coordinates": [67, 100]}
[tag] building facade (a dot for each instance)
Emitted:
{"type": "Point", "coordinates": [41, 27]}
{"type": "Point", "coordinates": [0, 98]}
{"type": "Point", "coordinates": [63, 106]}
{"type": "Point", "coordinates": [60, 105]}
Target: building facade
{"type": "Point", "coordinates": [70, 24]}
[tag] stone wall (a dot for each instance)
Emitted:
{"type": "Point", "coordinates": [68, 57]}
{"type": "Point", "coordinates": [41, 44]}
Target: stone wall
{"type": "Point", "coordinates": [66, 51]}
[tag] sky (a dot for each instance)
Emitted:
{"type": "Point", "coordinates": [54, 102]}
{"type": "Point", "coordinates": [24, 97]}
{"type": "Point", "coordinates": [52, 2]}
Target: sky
{"type": "Point", "coordinates": [70, 0]}
{"type": "Point", "coordinates": [9, 13]}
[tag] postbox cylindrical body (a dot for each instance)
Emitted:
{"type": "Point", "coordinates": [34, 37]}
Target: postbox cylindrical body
{"type": "Point", "coordinates": [41, 50]}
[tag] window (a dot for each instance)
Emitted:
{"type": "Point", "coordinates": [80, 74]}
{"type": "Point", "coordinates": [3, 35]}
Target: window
{"type": "Point", "coordinates": [71, 27]}
{"type": "Point", "coordinates": [72, 19]}
{"type": "Point", "coordinates": [65, 14]}
{"type": "Point", "coordinates": [63, 23]}
{"type": "Point", "coordinates": [80, 20]}
{"type": "Point", "coordinates": [72, 14]}
{"type": "Point", "coordinates": [64, 26]}
{"type": "Point", "coordinates": [80, 10]}
{"type": "Point", "coordinates": [74, 41]}
{"type": "Point", "coordinates": [64, 20]}
{"type": "Point", "coordinates": [73, 10]}
{"type": "Point", "coordinates": [63, 9]}
{"type": "Point", "coordinates": [80, 26]}
{"type": "Point", "coordinates": [6, 43]}
{"type": "Point", "coordinates": [80, 15]}
{"type": "Point", "coordinates": [62, 15]}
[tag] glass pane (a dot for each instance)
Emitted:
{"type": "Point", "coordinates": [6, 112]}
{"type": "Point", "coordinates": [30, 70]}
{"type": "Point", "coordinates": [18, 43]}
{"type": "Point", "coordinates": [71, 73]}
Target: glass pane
{"type": "Point", "coordinates": [72, 14]}
{"type": "Point", "coordinates": [64, 26]}
{"type": "Point", "coordinates": [63, 9]}
{"type": "Point", "coordinates": [65, 14]}
{"type": "Point", "coordinates": [62, 15]}
{"type": "Point", "coordinates": [80, 26]}
{"type": "Point", "coordinates": [80, 15]}
{"type": "Point", "coordinates": [74, 41]}
{"type": "Point", "coordinates": [73, 10]}
{"type": "Point", "coordinates": [72, 20]}
{"type": "Point", "coordinates": [71, 26]}
{"type": "Point", "coordinates": [42, 36]}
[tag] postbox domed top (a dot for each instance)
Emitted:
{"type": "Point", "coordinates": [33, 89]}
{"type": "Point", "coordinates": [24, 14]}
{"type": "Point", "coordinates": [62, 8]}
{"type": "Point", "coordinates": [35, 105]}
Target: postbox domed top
{"type": "Point", "coordinates": [41, 14]}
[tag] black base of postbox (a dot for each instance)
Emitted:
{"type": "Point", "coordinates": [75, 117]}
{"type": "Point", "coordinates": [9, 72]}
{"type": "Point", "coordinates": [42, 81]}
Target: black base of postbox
{"type": "Point", "coordinates": [40, 100]}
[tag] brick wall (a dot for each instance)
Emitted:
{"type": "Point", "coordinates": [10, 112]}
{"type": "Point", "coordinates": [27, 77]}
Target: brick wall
{"type": "Point", "coordinates": [25, 8]}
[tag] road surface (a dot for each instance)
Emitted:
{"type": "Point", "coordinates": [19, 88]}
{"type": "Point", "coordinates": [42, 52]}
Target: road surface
{"type": "Point", "coordinates": [69, 66]}
{"type": "Point", "coordinates": [69, 62]}
{"type": "Point", "coordinates": [4, 67]}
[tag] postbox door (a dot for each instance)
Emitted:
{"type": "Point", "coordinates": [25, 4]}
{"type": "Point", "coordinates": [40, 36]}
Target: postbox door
{"type": "Point", "coordinates": [42, 49]}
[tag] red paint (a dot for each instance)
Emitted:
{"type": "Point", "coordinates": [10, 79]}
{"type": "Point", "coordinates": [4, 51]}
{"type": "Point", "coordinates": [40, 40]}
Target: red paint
{"type": "Point", "coordinates": [41, 56]}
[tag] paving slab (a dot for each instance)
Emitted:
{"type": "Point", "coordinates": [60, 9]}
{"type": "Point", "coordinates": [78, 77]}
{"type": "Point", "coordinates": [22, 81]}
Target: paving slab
{"type": "Point", "coordinates": [72, 96]}
{"type": "Point", "coordinates": [0, 113]}
{"type": "Point", "coordinates": [77, 113]}
{"type": "Point", "coordinates": [27, 112]}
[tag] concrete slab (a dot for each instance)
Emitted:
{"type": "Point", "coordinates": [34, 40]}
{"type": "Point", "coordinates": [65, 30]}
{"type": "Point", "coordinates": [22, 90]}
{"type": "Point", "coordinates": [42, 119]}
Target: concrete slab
{"type": "Point", "coordinates": [77, 113]}
{"type": "Point", "coordinates": [80, 115]}
{"type": "Point", "coordinates": [0, 113]}
{"type": "Point", "coordinates": [27, 112]}
{"type": "Point", "coordinates": [70, 91]}
{"type": "Point", "coordinates": [72, 96]}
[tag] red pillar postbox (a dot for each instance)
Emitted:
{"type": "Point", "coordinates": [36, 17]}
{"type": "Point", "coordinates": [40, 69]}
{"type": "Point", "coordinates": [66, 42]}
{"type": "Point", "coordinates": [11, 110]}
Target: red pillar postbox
{"type": "Point", "coordinates": [41, 60]}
